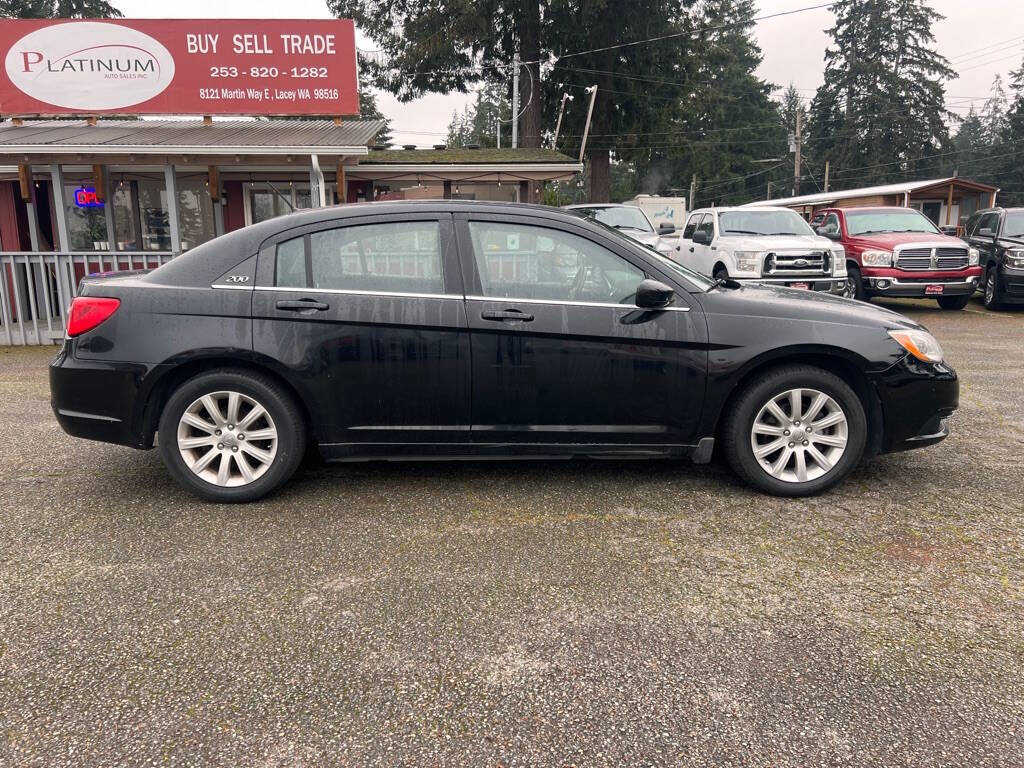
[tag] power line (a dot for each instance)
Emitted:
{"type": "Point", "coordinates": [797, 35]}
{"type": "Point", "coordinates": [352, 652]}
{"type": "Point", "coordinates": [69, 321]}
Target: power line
{"type": "Point", "coordinates": [689, 33]}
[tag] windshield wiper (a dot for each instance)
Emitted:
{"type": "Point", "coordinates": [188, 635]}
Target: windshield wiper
{"type": "Point", "coordinates": [722, 282]}
{"type": "Point", "coordinates": [740, 232]}
{"type": "Point", "coordinates": [626, 226]}
{"type": "Point", "coordinates": [876, 231]}
{"type": "Point", "coordinates": [783, 234]}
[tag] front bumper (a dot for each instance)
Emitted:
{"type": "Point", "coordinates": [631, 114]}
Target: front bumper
{"type": "Point", "coordinates": [827, 284]}
{"type": "Point", "coordinates": [917, 399]}
{"type": "Point", "coordinates": [1011, 285]}
{"type": "Point", "coordinates": [915, 285]}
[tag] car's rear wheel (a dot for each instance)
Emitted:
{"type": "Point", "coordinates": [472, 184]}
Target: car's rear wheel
{"type": "Point", "coordinates": [231, 436]}
{"type": "Point", "coordinates": [992, 288]}
{"type": "Point", "coordinates": [954, 302]}
{"type": "Point", "coordinates": [795, 431]}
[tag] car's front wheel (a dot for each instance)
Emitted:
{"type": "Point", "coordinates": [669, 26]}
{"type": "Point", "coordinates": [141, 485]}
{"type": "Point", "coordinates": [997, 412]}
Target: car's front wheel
{"type": "Point", "coordinates": [231, 436]}
{"type": "Point", "coordinates": [795, 431]}
{"type": "Point", "coordinates": [853, 288]}
{"type": "Point", "coordinates": [992, 288]}
{"type": "Point", "coordinates": [953, 302]}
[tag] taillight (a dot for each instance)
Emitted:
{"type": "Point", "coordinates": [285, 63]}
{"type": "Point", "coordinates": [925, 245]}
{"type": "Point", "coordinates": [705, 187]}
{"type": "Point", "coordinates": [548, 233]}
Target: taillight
{"type": "Point", "coordinates": [89, 311]}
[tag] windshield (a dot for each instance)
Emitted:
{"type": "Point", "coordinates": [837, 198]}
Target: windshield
{"type": "Point", "coordinates": [1013, 225]}
{"type": "Point", "coordinates": [764, 223]}
{"type": "Point", "coordinates": [626, 217]}
{"type": "Point", "coordinates": [697, 281]}
{"type": "Point", "coordinates": [874, 222]}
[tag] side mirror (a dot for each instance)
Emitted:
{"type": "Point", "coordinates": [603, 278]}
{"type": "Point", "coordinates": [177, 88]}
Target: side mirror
{"type": "Point", "coordinates": [985, 232]}
{"type": "Point", "coordinates": [666, 228]}
{"type": "Point", "coordinates": [829, 233]}
{"type": "Point", "coordinates": [653, 294]}
{"type": "Point", "coordinates": [701, 237]}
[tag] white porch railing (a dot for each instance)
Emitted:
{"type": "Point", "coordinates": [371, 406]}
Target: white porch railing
{"type": "Point", "coordinates": [36, 289]}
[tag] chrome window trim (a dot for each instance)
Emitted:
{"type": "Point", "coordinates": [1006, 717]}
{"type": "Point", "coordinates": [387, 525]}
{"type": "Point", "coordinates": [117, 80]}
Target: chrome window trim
{"type": "Point", "coordinates": [233, 287]}
{"type": "Point", "coordinates": [345, 292]}
{"type": "Point", "coordinates": [556, 302]}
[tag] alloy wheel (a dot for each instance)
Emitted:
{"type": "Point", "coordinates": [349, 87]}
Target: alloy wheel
{"type": "Point", "coordinates": [990, 288]}
{"type": "Point", "coordinates": [849, 289]}
{"type": "Point", "coordinates": [799, 435]}
{"type": "Point", "coordinates": [227, 438]}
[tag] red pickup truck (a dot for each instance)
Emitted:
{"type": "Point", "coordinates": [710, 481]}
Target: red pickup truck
{"type": "Point", "coordinates": [898, 252]}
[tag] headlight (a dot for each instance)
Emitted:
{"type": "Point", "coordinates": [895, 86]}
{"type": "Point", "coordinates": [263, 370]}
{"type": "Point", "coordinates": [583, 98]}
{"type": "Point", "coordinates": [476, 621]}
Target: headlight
{"type": "Point", "coordinates": [748, 261]}
{"type": "Point", "coordinates": [972, 256]}
{"type": "Point", "coordinates": [839, 263]}
{"type": "Point", "coordinates": [920, 344]}
{"type": "Point", "coordinates": [1015, 259]}
{"type": "Point", "coordinates": [876, 258]}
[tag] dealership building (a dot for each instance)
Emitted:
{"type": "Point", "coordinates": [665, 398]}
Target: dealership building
{"type": "Point", "coordinates": [103, 190]}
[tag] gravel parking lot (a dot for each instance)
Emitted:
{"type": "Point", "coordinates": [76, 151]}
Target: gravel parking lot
{"type": "Point", "coordinates": [584, 613]}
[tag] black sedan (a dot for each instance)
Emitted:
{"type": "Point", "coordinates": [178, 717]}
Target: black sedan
{"type": "Point", "coordinates": [460, 330]}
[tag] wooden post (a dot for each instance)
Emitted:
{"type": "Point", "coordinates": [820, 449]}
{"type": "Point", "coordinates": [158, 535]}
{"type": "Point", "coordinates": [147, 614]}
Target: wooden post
{"type": "Point", "coordinates": [17, 122]}
{"type": "Point", "coordinates": [337, 121]}
{"type": "Point", "coordinates": [949, 204]}
{"type": "Point", "coordinates": [340, 185]}
{"type": "Point", "coordinates": [207, 120]}
{"type": "Point", "coordinates": [90, 120]}
{"type": "Point", "coordinates": [99, 174]}
{"type": "Point", "coordinates": [213, 181]}
{"type": "Point", "coordinates": [25, 182]}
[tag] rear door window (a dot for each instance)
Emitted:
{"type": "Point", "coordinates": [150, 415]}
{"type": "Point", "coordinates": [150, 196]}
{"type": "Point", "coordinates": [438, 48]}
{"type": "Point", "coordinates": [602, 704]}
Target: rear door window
{"type": "Point", "coordinates": [389, 257]}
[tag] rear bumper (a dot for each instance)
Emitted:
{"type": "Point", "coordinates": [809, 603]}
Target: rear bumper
{"type": "Point", "coordinates": [913, 285]}
{"type": "Point", "coordinates": [99, 400]}
{"type": "Point", "coordinates": [917, 399]}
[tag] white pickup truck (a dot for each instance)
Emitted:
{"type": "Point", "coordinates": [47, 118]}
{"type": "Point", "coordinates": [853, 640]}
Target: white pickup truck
{"type": "Point", "coordinates": [766, 244]}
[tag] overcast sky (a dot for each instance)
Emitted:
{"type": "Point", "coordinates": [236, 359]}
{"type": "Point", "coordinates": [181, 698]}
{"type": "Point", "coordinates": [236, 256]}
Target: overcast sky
{"type": "Point", "coordinates": [982, 39]}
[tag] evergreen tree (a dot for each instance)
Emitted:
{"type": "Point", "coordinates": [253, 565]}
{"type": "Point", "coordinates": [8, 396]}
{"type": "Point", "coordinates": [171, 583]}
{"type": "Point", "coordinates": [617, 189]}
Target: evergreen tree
{"type": "Point", "coordinates": [452, 45]}
{"type": "Point", "coordinates": [738, 123]}
{"type": "Point", "coordinates": [57, 9]}
{"type": "Point", "coordinates": [880, 114]}
{"type": "Point", "coordinates": [971, 142]}
{"type": "Point", "coordinates": [1010, 173]}
{"type": "Point", "coordinates": [368, 110]}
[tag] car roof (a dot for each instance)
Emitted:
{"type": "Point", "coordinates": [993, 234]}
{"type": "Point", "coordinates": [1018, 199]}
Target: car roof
{"type": "Point", "coordinates": [574, 206]}
{"type": "Point", "coordinates": [203, 264]}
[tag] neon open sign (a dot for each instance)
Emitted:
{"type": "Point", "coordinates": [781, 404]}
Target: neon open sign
{"type": "Point", "coordinates": [86, 197]}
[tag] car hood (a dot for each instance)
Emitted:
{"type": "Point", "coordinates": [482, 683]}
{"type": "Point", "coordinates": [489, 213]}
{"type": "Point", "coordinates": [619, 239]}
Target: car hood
{"type": "Point", "coordinates": [1012, 242]}
{"type": "Point", "coordinates": [778, 243]}
{"type": "Point", "coordinates": [754, 300]}
{"type": "Point", "coordinates": [889, 240]}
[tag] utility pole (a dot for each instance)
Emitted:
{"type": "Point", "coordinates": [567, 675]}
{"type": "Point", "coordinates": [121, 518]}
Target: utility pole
{"type": "Point", "coordinates": [515, 100]}
{"type": "Point", "coordinates": [693, 192]}
{"type": "Point", "coordinates": [558, 126]}
{"type": "Point", "coordinates": [796, 159]}
{"type": "Point", "coordinates": [590, 111]}
{"type": "Point", "coordinates": [826, 175]}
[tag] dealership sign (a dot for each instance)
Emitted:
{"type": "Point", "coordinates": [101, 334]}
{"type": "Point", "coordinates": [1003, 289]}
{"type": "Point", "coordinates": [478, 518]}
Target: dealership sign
{"type": "Point", "coordinates": [201, 67]}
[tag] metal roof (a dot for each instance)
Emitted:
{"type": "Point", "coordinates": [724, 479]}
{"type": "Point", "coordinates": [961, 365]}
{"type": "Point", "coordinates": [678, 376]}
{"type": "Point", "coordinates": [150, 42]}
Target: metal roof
{"type": "Point", "coordinates": [189, 136]}
{"type": "Point", "coordinates": [463, 155]}
{"type": "Point", "coordinates": [906, 187]}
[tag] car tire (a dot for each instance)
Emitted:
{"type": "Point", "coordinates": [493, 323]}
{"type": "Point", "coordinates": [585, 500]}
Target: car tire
{"type": "Point", "coordinates": [991, 289]}
{"type": "Point", "coordinates": [854, 288]}
{"type": "Point", "coordinates": [953, 302]}
{"type": "Point", "coordinates": [211, 455]}
{"type": "Point", "coordinates": [750, 417]}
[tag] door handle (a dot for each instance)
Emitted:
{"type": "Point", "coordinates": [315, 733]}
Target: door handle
{"type": "Point", "coordinates": [691, 249]}
{"type": "Point", "coordinates": [505, 314]}
{"type": "Point", "coordinates": [303, 305]}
